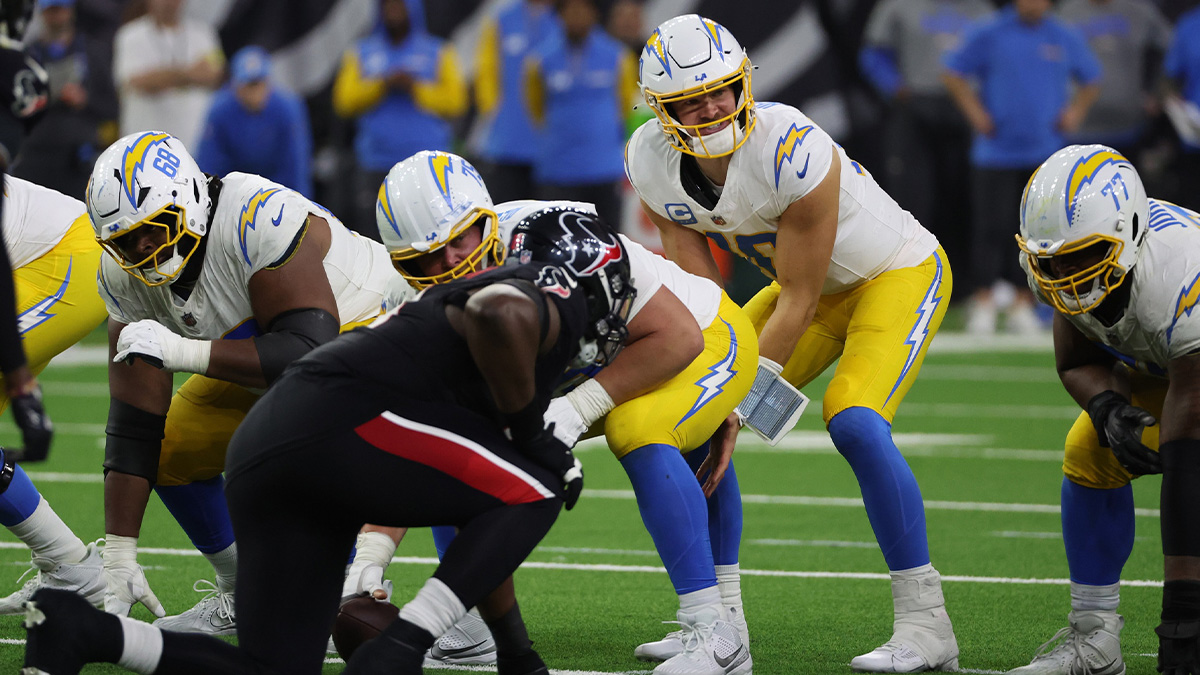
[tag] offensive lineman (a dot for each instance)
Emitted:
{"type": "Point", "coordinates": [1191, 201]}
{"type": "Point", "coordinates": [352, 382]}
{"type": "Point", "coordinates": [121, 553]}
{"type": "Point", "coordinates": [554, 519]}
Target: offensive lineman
{"type": "Point", "coordinates": [231, 279]}
{"type": "Point", "coordinates": [49, 240]}
{"type": "Point", "coordinates": [402, 423]}
{"type": "Point", "coordinates": [1121, 272]}
{"type": "Point", "coordinates": [685, 366]}
{"type": "Point", "coordinates": [853, 276]}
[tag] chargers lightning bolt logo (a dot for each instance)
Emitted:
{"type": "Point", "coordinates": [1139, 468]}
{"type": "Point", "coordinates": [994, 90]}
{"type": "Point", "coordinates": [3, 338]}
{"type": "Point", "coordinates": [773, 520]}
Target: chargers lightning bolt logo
{"type": "Point", "coordinates": [249, 213]}
{"type": "Point", "coordinates": [40, 312]}
{"type": "Point", "coordinates": [712, 384]}
{"type": "Point", "coordinates": [134, 160]}
{"type": "Point", "coordinates": [659, 50]}
{"type": "Point", "coordinates": [920, 331]}
{"type": "Point", "coordinates": [1185, 304]}
{"type": "Point", "coordinates": [786, 149]}
{"type": "Point", "coordinates": [384, 205]}
{"type": "Point", "coordinates": [441, 168]}
{"type": "Point", "coordinates": [1083, 173]}
{"type": "Point", "coordinates": [713, 30]}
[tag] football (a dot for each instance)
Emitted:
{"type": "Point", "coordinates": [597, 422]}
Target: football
{"type": "Point", "coordinates": [359, 620]}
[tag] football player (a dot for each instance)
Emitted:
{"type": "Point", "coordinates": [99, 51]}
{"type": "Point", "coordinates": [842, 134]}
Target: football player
{"type": "Point", "coordinates": [49, 240]}
{"type": "Point", "coordinates": [228, 278]}
{"type": "Point", "coordinates": [1121, 272]}
{"type": "Point", "coordinates": [401, 424]}
{"type": "Point", "coordinates": [688, 362]}
{"type": "Point", "coordinates": [853, 277]}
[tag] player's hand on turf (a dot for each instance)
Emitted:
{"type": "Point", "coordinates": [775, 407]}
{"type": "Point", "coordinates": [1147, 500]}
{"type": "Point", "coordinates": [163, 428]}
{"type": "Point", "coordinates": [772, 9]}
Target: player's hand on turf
{"type": "Point", "coordinates": [1119, 426]}
{"type": "Point", "coordinates": [565, 420]}
{"type": "Point", "coordinates": [125, 580]}
{"type": "Point", "coordinates": [1178, 643]}
{"type": "Point", "coordinates": [157, 345]}
{"type": "Point", "coordinates": [720, 451]}
{"type": "Point", "coordinates": [549, 452]}
{"type": "Point", "coordinates": [36, 428]}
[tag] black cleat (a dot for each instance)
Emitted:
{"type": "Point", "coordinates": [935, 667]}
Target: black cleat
{"type": "Point", "coordinates": [64, 632]}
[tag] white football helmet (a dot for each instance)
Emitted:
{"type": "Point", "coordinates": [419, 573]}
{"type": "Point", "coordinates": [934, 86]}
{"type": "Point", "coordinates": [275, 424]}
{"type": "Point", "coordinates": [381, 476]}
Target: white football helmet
{"type": "Point", "coordinates": [688, 56]}
{"type": "Point", "coordinates": [1084, 196]}
{"type": "Point", "coordinates": [427, 201]}
{"type": "Point", "coordinates": [148, 178]}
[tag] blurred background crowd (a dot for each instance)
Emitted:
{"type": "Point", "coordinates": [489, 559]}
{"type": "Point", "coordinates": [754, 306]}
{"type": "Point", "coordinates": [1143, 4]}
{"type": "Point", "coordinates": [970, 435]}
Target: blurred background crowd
{"type": "Point", "coordinates": [950, 104]}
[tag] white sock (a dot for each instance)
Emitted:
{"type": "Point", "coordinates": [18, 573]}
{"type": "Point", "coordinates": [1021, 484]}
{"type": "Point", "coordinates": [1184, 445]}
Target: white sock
{"type": "Point", "coordinates": [435, 608]}
{"type": "Point", "coordinates": [225, 563]}
{"type": "Point", "coordinates": [1102, 598]}
{"type": "Point", "coordinates": [912, 572]}
{"type": "Point", "coordinates": [690, 602]}
{"type": "Point", "coordinates": [143, 646]}
{"type": "Point", "coordinates": [729, 582]}
{"type": "Point", "coordinates": [49, 537]}
{"type": "Point", "coordinates": [374, 547]}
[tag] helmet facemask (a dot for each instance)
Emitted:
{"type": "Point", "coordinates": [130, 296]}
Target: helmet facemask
{"type": "Point", "coordinates": [687, 138]}
{"type": "Point", "coordinates": [181, 241]}
{"type": "Point", "coordinates": [1081, 291]}
{"type": "Point", "coordinates": [489, 253]}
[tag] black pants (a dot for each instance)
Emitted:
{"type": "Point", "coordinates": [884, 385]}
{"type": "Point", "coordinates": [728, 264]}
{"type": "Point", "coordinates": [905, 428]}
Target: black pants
{"type": "Point", "coordinates": [606, 197]}
{"type": "Point", "coordinates": [508, 182]}
{"type": "Point", "coordinates": [996, 198]}
{"type": "Point", "coordinates": [312, 463]}
{"type": "Point", "coordinates": [926, 168]}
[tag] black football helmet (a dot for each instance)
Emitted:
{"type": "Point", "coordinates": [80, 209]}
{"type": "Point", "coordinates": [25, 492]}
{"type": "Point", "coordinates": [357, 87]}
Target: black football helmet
{"type": "Point", "coordinates": [592, 255]}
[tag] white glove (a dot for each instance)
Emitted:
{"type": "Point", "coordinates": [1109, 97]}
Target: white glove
{"type": "Point", "coordinates": [154, 343]}
{"type": "Point", "coordinates": [125, 580]}
{"type": "Point", "coordinates": [568, 425]}
{"type": "Point", "coordinates": [364, 576]}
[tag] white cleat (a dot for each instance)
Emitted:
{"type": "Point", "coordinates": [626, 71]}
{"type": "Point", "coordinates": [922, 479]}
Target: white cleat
{"type": "Point", "coordinates": [711, 646]}
{"type": "Point", "coordinates": [1089, 645]}
{"type": "Point", "coordinates": [922, 635]}
{"type": "Point", "coordinates": [660, 650]}
{"type": "Point", "coordinates": [213, 615]}
{"type": "Point", "coordinates": [85, 577]}
{"type": "Point", "coordinates": [468, 642]}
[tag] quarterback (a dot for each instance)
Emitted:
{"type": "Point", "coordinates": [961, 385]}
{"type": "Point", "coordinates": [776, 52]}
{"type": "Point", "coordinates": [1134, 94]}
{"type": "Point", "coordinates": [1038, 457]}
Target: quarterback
{"type": "Point", "coordinates": [854, 277]}
{"type": "Point", "coordinates": [687, 362]}
{"type": "Point", "coordinates": [1121, 272]}
{"type": "Point", "coordinates": [228, 278]}
{"type": "Point", "coordinates": [54, 257]}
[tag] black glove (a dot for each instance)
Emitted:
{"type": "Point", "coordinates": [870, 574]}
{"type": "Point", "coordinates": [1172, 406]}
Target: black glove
{"type": "Point", "coordinates": [1119, 425]}
{"type": "Point", "coordinates": [548, 452]}
{"type": "Point", "coordinates": [537, 441]}
{"type": "Point", "coordinates": [36, 428]}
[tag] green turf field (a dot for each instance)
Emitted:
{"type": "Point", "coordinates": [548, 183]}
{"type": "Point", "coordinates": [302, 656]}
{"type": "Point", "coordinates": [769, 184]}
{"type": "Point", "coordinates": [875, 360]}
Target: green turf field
{"type": "Point", "coordinates": [982, 431]}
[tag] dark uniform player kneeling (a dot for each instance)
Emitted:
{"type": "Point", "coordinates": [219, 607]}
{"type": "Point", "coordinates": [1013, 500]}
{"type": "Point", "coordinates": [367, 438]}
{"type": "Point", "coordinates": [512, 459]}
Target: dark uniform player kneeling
{"type": "Point", "coordinates": [399, 424]}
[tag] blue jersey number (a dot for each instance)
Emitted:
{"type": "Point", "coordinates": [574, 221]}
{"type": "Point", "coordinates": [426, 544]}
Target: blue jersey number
{"type": "Point", "coordinates": [166, 162]}
{"type": "Point", "coordinates": [757, 248]}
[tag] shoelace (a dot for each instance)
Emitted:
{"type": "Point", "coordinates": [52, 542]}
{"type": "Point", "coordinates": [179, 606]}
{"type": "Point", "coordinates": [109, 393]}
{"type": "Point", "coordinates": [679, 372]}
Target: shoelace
{"type": "Point", "coordinates": [212, 592]}
{"type": "Point", "coordinates": [35, 582]}
{"type": "Point", "coordinates": [1073, 640]}
{"type": "Point", "coordinates": [693, 636]}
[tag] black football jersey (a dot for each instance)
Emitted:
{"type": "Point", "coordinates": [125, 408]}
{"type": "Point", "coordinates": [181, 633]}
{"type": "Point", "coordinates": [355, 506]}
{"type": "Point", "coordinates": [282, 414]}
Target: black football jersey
{"type": "Point", "coordinates": [414, 352]}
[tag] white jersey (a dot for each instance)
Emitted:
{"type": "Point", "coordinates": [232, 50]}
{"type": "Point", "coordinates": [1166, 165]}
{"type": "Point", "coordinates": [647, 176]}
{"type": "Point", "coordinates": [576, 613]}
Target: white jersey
{"type": "Point", "coordinates": [785, 157]}
{"type": "Point", "coordinates": [255, 227]}
{"type": "Point", "coordinates": [648, 270]}
{"type": "Point", "coordinates": [35, 219]}
{"type": "Point", "coordinates": [1161, 321]}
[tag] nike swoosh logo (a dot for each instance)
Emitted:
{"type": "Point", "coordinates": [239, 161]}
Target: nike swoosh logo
{"type": "Point", "coordinates": [279, 218]}
{"type": "Point", "coordinates": [459, 650]}
{"type": "Point", "coordinates": [804, 172]}
{"type": "Point", "coordinates": [740, 654]}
